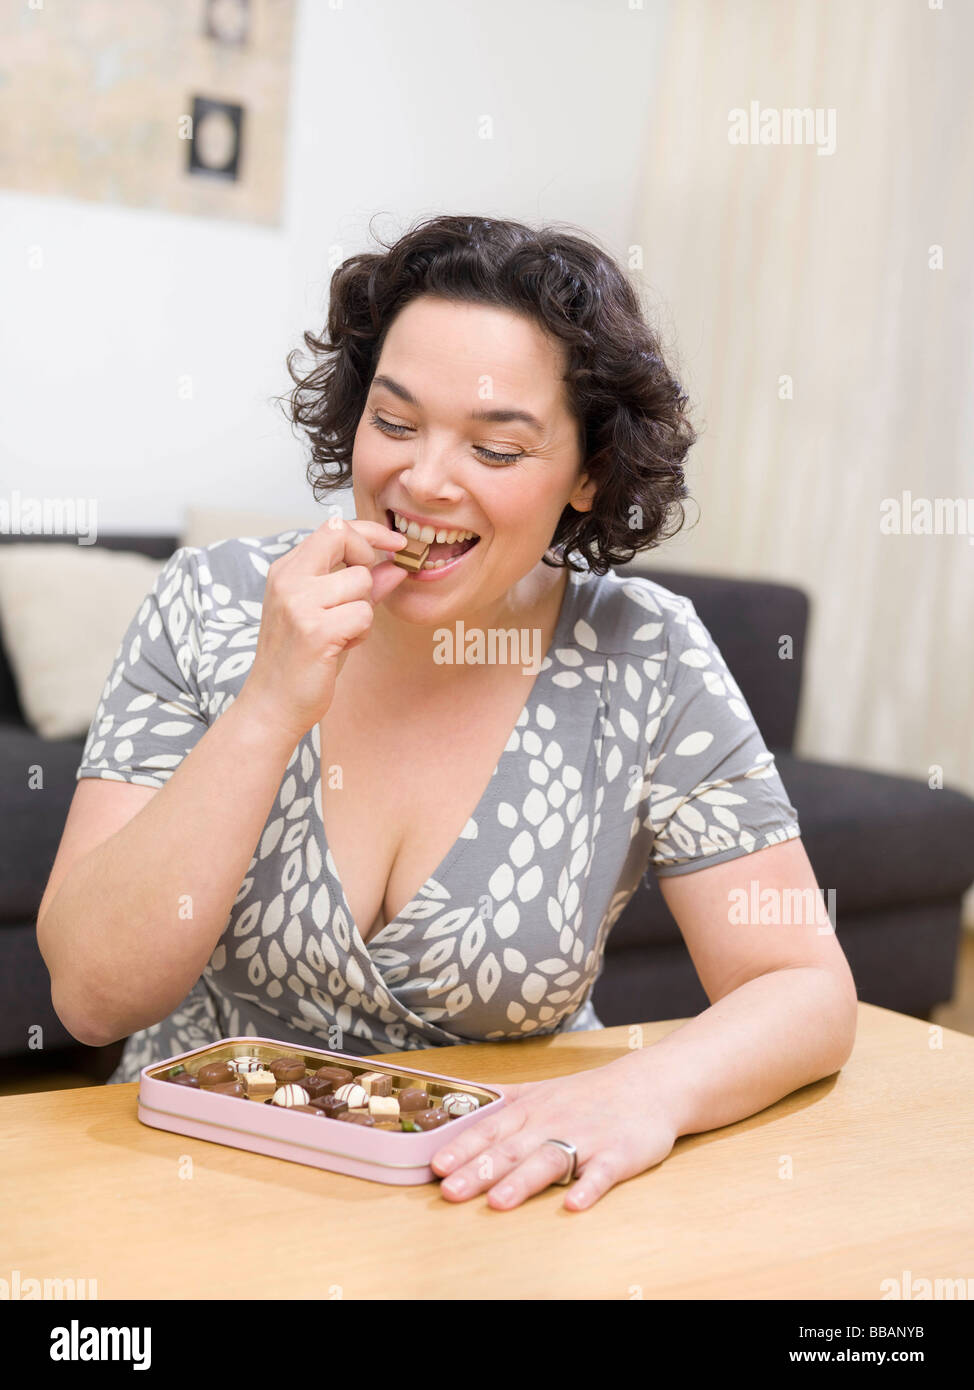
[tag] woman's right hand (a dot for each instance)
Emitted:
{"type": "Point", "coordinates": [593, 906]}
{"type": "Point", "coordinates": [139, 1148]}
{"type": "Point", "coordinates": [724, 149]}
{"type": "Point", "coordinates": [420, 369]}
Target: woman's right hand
{"type": "Point", "coordinates": [318, 604]}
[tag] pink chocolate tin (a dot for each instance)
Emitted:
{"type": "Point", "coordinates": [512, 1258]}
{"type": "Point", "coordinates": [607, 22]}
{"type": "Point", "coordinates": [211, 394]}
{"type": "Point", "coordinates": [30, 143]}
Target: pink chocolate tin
{"type": "Point", "coordinates": [358, 1149]}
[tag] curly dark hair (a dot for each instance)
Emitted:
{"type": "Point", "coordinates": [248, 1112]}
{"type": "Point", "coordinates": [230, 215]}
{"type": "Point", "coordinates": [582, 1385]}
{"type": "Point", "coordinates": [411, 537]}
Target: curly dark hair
{"type": "Point", "coordinates": [634, 425]}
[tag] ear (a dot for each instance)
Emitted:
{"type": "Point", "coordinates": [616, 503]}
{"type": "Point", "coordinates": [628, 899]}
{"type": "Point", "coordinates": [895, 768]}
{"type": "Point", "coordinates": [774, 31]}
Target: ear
{"type": "Point", "coordinates": [583, 494]}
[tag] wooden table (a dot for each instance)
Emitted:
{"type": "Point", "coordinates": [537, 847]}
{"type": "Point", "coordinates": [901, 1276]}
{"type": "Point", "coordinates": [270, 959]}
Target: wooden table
{"type": "Point", "coordinates": [882, 1182]}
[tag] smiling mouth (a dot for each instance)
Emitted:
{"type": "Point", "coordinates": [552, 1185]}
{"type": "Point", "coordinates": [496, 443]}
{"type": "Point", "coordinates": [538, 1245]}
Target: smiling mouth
{"type": "Point", "coordinates": [441, 552]}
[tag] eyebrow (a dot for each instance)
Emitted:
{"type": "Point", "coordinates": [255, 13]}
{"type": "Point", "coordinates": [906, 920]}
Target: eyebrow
{"type": "Point", "coordinates": [497, 416]}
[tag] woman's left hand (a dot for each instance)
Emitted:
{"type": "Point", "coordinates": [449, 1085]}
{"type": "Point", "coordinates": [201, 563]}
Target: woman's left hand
{"type": "Point", "coordinates": [615, 1117]}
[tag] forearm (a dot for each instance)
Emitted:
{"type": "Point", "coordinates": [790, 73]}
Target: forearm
{"type": "Point", "coordinates": [767, 1038]}
{"type": "Point", "coordinates": [132, 925]}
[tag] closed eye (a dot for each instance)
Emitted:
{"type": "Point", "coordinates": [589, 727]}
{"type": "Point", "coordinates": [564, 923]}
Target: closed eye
{"type": "Point", "coordinates": [400, 432]}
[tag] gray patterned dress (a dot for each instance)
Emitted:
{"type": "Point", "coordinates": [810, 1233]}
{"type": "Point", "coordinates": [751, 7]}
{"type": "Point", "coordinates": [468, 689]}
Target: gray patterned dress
{"type": "Point", "coordinates": [634, 749]}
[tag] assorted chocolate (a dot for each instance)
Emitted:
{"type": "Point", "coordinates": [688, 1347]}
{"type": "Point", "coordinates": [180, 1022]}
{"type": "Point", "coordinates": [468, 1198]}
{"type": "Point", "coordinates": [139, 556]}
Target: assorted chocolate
{"type": "Point", "coordinates": [331, 1092]}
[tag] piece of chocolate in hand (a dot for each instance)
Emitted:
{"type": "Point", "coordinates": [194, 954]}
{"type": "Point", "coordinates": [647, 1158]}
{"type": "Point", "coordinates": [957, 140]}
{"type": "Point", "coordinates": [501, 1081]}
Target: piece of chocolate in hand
{"type": "Point", "coordinates": [413, 554]}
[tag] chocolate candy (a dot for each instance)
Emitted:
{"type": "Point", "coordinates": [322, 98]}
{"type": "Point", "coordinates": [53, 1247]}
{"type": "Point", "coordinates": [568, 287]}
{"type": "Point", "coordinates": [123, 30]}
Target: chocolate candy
{"type": "Point", "coordinates": [384, 1107]}
{"type": "Point", "coordinates": [260, 1084]}
{"type": "Point", "coordinates": [458, 1103]}
{"type": "Point", "coordinates": [317, 1086]}
{"type": "Point", "coordinates": [309, 1110]}
{"type": "Point", "coordinates": [338, 1076]}
{"type": "Point", "coordinates": [429, 1119]}
{"type": "Point", "coordinates": [215, 1074]}
{"type": "Point", "coordinates": [183, 1078]}
{"type": "Point", "coordinates": [287, 1069]}
{"type": "Point", "coordinates": [355, 1095]}
{"type": "Point", "coordinates": [243, 1065]}
{"type": "Point", "coordinates": [357, 1117]}
{"type": "Point", "coordinates": [412, 1098]}
{"type": "Point", "coordinates": [227, 1088]}
{"type": "Point", "coordinates": [377, 1083]}
{"type": "Point", "coordinates": [290, 1095]}
{"type": "Point", "coordinates": [413, 554]}
{"type": "Point", "coordinates": [329, 1105]}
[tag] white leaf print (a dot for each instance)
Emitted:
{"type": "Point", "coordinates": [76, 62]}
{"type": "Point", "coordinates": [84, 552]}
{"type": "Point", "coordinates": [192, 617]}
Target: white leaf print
{"type": "Point", "coordinates": [460, 999]}
{"type": "Point", "coordinates": [693, 656]}
{"type": "Point", "coordinates": [488, 977]}
{"type": "Point", "coordinates": [506, 920]}
{"type": "Point", "coordinates": [247, 920]}
{"type": "Point", "coordinates": [501, 882]}
{"type": "Point", "coordinates": [449, 922]}
{"type": "Point", "coordinates": [694, 743]}
{"type": "Point", "coordinates": [529, 885]}
{"type": "Point", "coordinates": [274, 915]}
{"type": "Point", "coordinates": [472, 942]}
{"type": "Point", "coordinates": [419, 910]}
{"type": "Point", "coordinates": [293, 936]}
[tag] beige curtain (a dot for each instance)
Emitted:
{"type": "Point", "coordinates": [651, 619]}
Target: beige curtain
{"type": "Point", "coordinates": [771, 261]}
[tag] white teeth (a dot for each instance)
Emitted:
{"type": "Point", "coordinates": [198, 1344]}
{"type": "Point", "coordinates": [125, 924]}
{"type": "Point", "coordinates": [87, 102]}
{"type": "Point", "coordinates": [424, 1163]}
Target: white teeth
{"type": "Point", "coordinates": [429, 534]}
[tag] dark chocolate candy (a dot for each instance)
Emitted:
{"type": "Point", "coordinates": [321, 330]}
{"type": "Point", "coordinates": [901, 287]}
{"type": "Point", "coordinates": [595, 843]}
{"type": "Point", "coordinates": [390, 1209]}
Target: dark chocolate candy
{"type": "Point", "coordinates": [183, 1079]}
{"type": "Point", "coordinates": [429, 1119]}
{"type": "Point", "coordinates": [228, 1088]}
{"type": "Point", "coordinates": [287, 1070]}
{"type": "Point", "coordinates": [215, 1074]}
{"type": "Point", "coordinates": [317, 1086]}
{"type": "Point", "coordinates": [357, 1117]}
{"type": "Point", "coordinates": [310, 1110]}
{"type": "Point", "coordinates": [337, 1076]}
{"type": "Point", "coordinates": [413, 1099]}
{"type": "Point", "coordinates": [330, 1105]}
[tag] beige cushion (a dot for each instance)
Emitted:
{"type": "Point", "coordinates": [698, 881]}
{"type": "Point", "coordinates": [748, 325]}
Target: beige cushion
{"type": "Point", "coordinates": [64, 610]}
{"type": "Point", "coordinates": [205, 525]}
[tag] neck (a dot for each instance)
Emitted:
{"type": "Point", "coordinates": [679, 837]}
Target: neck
{"type": "Point", "coordinates": [404, 650]}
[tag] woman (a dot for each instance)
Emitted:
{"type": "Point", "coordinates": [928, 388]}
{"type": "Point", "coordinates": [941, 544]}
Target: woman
{"type": "Point", "coordinates": [303, 813]}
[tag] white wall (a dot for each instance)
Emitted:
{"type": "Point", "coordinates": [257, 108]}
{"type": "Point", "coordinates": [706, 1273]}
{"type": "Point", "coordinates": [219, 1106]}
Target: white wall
{"type": "Point", "coordinates": [386, 101]}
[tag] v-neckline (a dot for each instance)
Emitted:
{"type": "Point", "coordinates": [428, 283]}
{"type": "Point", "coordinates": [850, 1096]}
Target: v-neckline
{"type": "Point", "coordinates": [462, 841]}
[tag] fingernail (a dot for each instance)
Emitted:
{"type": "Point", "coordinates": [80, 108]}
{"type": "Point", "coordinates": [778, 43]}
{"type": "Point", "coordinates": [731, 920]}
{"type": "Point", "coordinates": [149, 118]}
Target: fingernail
{"type": "Point", "coordinates": [456, 1185]}
{"type": "Point", "coordinates": [504, 1194]}
{"type": "Point", "coordinates": [444, 1161]}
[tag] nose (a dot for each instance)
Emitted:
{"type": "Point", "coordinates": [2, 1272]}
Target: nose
{"type": "Point", "coordinates": [432, 473]}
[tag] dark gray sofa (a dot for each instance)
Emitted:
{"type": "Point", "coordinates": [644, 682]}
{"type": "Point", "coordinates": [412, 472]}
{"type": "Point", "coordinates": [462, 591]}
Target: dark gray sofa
{"type": "Point", "coordinates": [898, 855]}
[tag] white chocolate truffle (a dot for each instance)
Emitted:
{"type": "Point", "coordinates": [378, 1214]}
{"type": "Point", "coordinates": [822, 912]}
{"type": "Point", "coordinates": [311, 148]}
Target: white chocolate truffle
{"type": "Point", "coordinates": [355, 1095]}
{"type": "Point", "coordinates": [290, 1095]}
{"type": "Point", "coordinates": [458, 1103]}
{"type": "Point", "coordinates": [242, 1065]}
{"type": "Point", "coordinates": [384, 1107]}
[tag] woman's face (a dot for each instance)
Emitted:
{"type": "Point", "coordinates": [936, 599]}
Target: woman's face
{"type": "Point", "coordinates": [427, 448]}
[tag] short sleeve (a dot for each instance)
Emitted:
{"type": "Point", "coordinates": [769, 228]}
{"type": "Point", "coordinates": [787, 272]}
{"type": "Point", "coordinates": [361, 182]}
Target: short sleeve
{"type": "Point", "coordinates": [151, 711]}
{"type": "Point", "coordinates": [715, 790]}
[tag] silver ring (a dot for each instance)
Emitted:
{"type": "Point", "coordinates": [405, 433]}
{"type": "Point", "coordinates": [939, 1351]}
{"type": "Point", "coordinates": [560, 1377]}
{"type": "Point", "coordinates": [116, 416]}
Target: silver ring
{"type": "Point", "coordinates": [572, 1153]}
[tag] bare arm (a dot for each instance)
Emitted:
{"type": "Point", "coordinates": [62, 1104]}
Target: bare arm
{"type": "Point", "coordinates": [144, 878]}
{"type": "Point", "coordinates": [783, 1001]}
{"type": "Point", "coordinates": [126, 930]}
